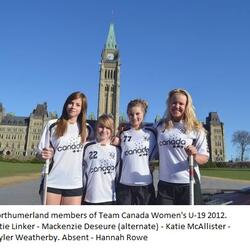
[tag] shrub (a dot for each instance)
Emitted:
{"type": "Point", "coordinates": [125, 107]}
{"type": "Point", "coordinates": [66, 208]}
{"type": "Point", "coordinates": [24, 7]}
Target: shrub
{"type": "Point", "coordinates": [229, 164]}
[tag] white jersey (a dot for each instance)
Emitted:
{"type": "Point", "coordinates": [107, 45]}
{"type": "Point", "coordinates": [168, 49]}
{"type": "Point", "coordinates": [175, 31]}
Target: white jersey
{"type": "Point", "coordinates": [66, 165]}
{"type": "Point", "coordinates": [173, 159]}
{"type": "Point", "coordinates": [138, 148]}
{"type": "Point", "coordinates": [100, 168]}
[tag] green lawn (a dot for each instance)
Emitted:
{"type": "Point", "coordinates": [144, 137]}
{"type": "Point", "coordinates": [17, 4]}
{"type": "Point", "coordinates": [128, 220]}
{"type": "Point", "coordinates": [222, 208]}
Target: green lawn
{"type": "Point", "coordinates": [241, 174]}
{"type": "Point", "coordinates": [14, 169]}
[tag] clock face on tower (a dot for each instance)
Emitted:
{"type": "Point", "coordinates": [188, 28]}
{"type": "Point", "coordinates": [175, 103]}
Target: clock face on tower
{"type": "Point", "coordinates": [110, 56]}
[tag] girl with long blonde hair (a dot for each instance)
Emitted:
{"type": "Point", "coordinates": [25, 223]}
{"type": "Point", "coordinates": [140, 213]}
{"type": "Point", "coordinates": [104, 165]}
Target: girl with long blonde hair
{"type": "Point", "coordinates": [179, 135]}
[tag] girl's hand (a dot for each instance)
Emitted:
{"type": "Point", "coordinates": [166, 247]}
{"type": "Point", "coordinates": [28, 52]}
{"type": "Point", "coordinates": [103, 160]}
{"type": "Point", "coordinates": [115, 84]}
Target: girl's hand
{"type": "Point", "coordinates": [115, 140]}
{"type": "Point", "coordinates": [191, 150]}
{"type": "Point", "coordinates": [47, 153]}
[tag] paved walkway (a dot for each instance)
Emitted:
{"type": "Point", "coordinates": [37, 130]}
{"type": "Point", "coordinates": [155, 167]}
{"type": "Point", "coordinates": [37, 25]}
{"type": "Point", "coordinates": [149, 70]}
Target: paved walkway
{"type": "Point", "coordinates": [26, 193]}
{"type": "Point", "coordinates": [215, 183]}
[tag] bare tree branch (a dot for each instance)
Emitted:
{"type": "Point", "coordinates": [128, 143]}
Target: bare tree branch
{"type": "Point", "coordinates": [242, 139]}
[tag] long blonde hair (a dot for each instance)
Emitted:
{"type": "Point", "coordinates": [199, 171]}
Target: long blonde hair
{"type": "Point", "coordinates": [62, 122]}
{"type": "Point", "coordinates": [189, 118]}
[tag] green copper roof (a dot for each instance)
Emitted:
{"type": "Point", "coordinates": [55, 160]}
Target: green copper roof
{"type": "Point", "coordinates": [111, 41]}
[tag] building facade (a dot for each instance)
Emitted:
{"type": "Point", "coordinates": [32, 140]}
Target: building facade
{"type": "Point", "coordinates": [109, 78]}
{"type": "Point", "coordinates": [19, 135]}
{"type": "Point", "coordinates": [216, 142]}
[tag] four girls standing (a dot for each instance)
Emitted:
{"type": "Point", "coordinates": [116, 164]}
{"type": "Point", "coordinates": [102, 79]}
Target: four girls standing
{"type": "Point", "coordinates": [179, 135]}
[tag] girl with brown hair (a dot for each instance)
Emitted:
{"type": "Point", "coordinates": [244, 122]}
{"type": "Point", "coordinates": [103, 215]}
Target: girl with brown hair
{"type": "Point", "coordinates": [62, 142]}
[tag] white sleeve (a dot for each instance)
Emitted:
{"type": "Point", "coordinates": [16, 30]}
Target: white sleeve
{"type": "Point", "coordinates": [45, 138]}
{"type": "Point", "coordinates": [201, 143]}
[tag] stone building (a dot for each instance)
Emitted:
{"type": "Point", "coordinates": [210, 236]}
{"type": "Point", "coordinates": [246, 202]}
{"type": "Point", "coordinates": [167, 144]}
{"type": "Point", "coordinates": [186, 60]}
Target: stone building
{"type": "Point", "coordinates": [19, 135]}
{"type": "Point", "coordinates": [216, 142]}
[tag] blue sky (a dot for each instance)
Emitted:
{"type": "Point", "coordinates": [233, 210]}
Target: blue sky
{"type": "Point", "coordinates": [50, 48]}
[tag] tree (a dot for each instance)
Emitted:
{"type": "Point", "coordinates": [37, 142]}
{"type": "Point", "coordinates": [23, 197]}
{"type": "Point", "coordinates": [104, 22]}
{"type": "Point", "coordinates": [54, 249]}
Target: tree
{"type": "Point", "coordinates": [242, 139]}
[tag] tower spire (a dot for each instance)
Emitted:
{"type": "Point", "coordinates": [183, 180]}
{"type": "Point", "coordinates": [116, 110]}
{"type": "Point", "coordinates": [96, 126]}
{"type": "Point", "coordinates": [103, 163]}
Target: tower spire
{"type": "Point", "coordinates": [111, 41]}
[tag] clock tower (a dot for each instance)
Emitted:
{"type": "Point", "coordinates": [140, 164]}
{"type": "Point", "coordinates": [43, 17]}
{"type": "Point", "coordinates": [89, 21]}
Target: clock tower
{"type": "Point", "coordinates": [109, 78]}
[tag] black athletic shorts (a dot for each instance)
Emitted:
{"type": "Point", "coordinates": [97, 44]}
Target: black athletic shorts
{"type": "Point", "coordinates": [177, 194]}
{"type": "Point", "coordinates": [135, 195]}
{"type": "Point", "coordinates": [66, 192]}
{"type": "Point", "coordinates": [101, 203]}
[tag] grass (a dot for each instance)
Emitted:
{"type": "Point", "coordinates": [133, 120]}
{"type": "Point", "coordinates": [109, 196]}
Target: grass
{"type": "Point", "coordinates": [239, 174]}
{"type": "Point", "coordinates": [18, 169]}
